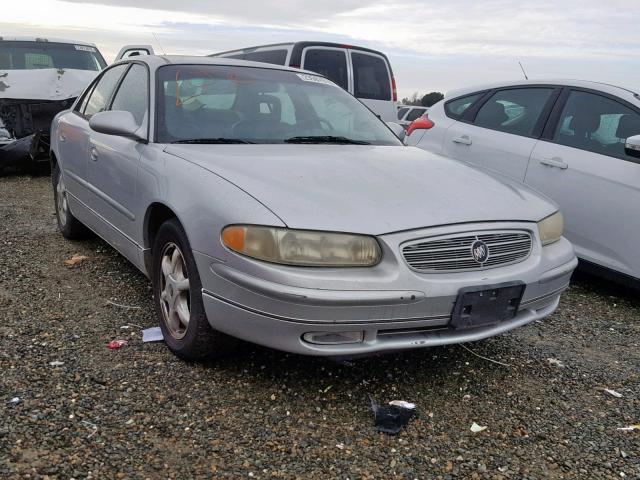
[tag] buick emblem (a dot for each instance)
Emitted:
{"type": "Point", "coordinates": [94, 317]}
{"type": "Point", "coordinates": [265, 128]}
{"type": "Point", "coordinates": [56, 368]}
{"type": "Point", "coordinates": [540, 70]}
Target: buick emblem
{"type": "Point", "coordinates": [480, 251]}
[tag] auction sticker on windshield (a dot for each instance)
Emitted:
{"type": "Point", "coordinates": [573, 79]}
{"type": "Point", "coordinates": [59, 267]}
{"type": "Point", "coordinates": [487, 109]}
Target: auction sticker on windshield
{"type": "Point", "coordinates": [315, 79]}
{"type": "Point", "coordinates": [84, 48]}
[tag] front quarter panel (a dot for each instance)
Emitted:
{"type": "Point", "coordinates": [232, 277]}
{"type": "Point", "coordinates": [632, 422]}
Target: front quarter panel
{"type": "Point", "coordinates": [203, 201]}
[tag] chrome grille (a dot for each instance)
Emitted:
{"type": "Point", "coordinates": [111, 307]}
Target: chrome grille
{"type": "Point", "coordinates": [453, 253]}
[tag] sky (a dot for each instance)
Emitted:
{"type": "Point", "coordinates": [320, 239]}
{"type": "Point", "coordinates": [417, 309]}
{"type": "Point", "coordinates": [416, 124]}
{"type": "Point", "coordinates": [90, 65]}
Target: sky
{"type": "Point", "coordinates": [432, 45]}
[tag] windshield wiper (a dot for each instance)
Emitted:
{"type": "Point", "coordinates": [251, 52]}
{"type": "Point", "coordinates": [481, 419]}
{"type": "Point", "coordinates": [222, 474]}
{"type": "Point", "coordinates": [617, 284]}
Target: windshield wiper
{"type": "Point", "coordinates": [211, 141]}
{"type": "Point", "coordinates": [326, 139]}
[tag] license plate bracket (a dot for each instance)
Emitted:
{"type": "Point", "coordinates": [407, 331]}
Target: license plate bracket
{"type": "Point", "coordinates": [486, 305]}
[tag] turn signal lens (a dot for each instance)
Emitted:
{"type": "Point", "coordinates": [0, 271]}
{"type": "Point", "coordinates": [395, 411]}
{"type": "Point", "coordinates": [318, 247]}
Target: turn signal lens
{"type": "Point", "coordinates": [302, 247]}
{"type": "Point", "coordinates": [551, 228]}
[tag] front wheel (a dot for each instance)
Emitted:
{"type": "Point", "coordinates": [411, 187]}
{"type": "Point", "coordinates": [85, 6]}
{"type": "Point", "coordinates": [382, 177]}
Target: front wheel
{"type": "Point", "coordinates": [178, 298]}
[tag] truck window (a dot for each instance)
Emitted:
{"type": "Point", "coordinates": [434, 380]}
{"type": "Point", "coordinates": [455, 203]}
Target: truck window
{"type": "Point", "coordinates": [19, 55]}
{"type": "Point", "coordinates": [275, 57]}
{"type": "Point", "coordinates": [330, 63]}
{"type": "Point", "coordinates": [370, 77]}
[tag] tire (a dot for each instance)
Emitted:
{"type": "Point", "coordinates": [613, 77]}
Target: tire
{"type": "Point", "coordinates": [177, 292]}
{"type": "Point", "coordinates": [70, 227]}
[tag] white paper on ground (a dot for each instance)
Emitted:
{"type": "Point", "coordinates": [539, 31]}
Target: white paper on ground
{"type": "Point", "coordinates": [152, 335]}
{"type": "Point", "coordinates": [403, 404]}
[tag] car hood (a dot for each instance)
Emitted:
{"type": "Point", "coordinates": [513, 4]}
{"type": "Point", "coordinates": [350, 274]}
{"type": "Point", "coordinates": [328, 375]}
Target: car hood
{"type": "Point", "coordinates": [366, 189]}
{"type": "Point", "coordinates": [44, 84]}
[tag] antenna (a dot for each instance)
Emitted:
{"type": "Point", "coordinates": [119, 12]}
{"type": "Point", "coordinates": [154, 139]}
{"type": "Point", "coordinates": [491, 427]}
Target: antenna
{"type": "Point", "coordinates": [523, 72]}
{"type": "Point", "coordinates": [160, 45]}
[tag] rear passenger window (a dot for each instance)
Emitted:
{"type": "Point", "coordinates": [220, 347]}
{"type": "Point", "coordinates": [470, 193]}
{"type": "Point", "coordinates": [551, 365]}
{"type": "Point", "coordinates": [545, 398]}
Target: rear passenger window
{"type": "Point", "coordinates": [132, 96]}
{"type": "Point", "coordinates": [597, 124]}
{"type": "Point", "coordinates": [370, 77]}
{"type": "Point", "coordinates": [99, 99]}
{"type": "Point", "coordinates": [456, 108]}
{"type": "Point", "coordinates": [415, 113]}
{"type": "Point", "coordinates": [401, 113]}
{"type": "Point", "coordinates": [276, 57]}
{"type": "Point", "coordinates": [515, 110]}
{"type": "Point", "coordinates": [330, 63]}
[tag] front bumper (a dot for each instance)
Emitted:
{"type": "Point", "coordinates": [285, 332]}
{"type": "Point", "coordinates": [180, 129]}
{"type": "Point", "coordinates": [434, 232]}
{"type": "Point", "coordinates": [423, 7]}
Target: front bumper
{"type": "Point", "coordinates": [394, 307]}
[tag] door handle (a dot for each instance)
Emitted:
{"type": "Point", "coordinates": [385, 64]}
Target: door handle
{"type": "Point", "coordinates": [463, 140]}
{"type": "Point", "coordinates": [93, 153]}
{"type": "Point", "coordinates": [555, 162]}
{"type": "Point", "coordinates": [62, 137]}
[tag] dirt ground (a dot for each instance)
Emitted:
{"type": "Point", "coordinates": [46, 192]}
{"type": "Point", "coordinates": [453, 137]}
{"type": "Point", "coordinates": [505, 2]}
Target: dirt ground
{"type": "Point", "coordinates": [140, 412]}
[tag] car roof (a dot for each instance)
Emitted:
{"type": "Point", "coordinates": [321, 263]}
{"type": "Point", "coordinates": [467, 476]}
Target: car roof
{"type": "Point", "coordinates": [593, 85]}
{"type": "Point", "coordinates": [301, 43]}
{"type": "Point", "coordinates": [44, 40]}
{"type": "Point", "coordinates": [156, 61]}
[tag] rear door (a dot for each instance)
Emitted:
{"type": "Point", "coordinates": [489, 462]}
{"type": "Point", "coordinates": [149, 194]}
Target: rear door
{"type": "Point", "coordinates": [500, 132]}
{"type": "Point", "coordinates": [373, 83]}
{"type": "Point", "coordinates": [581, 163]}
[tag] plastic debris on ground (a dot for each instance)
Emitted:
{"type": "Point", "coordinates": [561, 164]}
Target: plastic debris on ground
{"type": "Point", "coordinates": [391, 418]}
{"type": "Point", "coordinates": [116, 344]}
{"type": "Point", "coordinates": [14, 401]}
{"type": "Point", "coordinates": [152, 335]}
{"type": "Point", "coordinates": [475, 428]}
{"type": "Point", "coordinates": [613, 393]}
{"type": "Point", "coordinates": [56, 363]}
{"type": "Point", "coordinates": [630, 428]}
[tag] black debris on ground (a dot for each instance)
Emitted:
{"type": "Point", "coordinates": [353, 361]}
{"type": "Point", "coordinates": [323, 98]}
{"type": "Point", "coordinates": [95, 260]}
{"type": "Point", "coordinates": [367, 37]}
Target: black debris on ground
{"type": "Point", "coordinates": [86, 411]}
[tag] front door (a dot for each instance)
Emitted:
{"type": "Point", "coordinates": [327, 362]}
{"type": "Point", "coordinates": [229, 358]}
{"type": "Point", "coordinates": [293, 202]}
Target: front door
{"type": "Point", "coordinates": [114, 162]}
{"type": "Point", "coordinates": [584, 167]}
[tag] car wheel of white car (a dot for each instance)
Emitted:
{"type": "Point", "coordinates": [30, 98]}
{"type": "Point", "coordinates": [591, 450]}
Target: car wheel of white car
{"type": "Point", "coordinates": [69, 226]}
{"type": "Point", "coordinates": [178, 298]}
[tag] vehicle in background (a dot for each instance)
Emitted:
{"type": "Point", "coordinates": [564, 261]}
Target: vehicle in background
{"type": "Point", "coordinates": [267, 203]}
{"type": "Point", "coordinates": [129, 51]}
{"type": "Point", "coordinates": [408, 113]}
{"type": "Point", "coordinates": [363, 72]}
{"type": "Point", "coordinates": [39, 77]}
{"type": "Point", "coordinates": [576, 141]}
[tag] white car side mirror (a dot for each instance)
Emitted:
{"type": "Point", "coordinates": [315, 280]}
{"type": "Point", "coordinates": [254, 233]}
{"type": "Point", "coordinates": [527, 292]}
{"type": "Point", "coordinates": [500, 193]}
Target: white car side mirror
{"type": "Point", "coordinates": [397, 129]}
{"type": "Point", "coordinates": [632, 146]}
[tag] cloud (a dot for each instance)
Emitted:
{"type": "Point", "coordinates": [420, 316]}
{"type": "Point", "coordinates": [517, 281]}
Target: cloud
{"type": "Point", "coordinates": [432, 43]}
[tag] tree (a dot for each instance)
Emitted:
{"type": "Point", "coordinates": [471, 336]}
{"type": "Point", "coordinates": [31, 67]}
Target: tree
{"type": "Point", "coordinates": [414, 99]}
{"type": "Point", "coordinates": [431, 99]}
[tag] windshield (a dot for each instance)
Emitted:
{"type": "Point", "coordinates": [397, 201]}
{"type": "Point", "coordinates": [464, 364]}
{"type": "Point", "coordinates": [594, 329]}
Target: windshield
{"type": "Point", "coordinates": [196, 103]}
{"type": "Point", "coordinates": [16, 55]}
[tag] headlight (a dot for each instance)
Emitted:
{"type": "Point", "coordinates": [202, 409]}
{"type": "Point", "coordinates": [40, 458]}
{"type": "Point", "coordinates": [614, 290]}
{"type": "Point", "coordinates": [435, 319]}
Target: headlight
{"type": "Point", "coordinates": [302, 247]}
{"type": "Point", "coordinates": [551, 228]}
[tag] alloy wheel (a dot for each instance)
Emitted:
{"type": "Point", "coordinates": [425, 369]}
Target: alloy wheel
{"type": "Point", "coordinates": [175, 296]}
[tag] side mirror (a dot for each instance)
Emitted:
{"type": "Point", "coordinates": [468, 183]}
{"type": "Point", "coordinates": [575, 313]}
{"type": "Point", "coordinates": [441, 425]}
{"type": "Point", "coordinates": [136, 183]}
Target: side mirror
{"type": "Point", "coordinates": [116, 122]}
{"type": "Point", "coordinates": [632, 146]}
{"type": "Point", "coordinates": [397, 129]}
{"type": "Point", "coordinates": [420, 123]}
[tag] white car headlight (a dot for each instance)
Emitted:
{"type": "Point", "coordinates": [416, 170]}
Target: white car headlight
{"type": "Point", "coordinates": [551, 228]}
{"type": "Point", "coordinates": [302, 247]}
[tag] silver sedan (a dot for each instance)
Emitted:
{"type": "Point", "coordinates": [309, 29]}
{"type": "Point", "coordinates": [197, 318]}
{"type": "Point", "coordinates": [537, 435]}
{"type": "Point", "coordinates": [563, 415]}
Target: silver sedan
{"type": "Point", "coordinates": [268, 204]}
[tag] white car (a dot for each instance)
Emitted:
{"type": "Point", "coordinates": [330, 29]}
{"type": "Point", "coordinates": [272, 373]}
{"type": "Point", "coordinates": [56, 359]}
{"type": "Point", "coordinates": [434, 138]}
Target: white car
{"type": "Point", "coordinates": [408, 113]}
{"type": "Point", "coordinates": [576, 141]}
{"type": "Point", "coordinates": [363, 72]}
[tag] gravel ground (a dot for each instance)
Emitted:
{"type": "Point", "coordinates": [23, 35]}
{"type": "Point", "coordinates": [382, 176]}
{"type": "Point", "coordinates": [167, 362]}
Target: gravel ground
{"type": "Point", "coordinates": [139, 412]}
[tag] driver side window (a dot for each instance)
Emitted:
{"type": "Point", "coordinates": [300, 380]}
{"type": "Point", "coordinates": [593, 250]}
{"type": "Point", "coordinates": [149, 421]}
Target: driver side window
{"type": "Point", "coordinates": [98, 100]}
{"type": "Point", "coordinates": [597, 124]}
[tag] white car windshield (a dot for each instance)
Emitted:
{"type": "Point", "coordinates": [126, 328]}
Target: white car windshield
{"type": "Point", "coordinates": [23, 55]}
{"type": "Point", "coordinates": [230, 104]}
